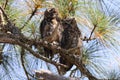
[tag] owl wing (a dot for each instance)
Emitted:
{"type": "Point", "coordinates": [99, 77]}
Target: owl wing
{"type": "Point", "coordinates": [42, 27]}
{"type": "Point", "coordinates": [44, 31]}
{"type": "Point", "coordinates": [70, 39]}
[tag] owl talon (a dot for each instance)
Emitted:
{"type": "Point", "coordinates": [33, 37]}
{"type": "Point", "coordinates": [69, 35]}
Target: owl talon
{"type": "Point", "coordinates": [46, 42]}
{"type": "Point", "coordinates": [55, 43]}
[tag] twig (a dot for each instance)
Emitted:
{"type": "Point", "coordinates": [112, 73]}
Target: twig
{"type": "Point", "coordinates": [6, 3]}
{"type": "Point", "coordinates": [92, 31]}
{"type": "Point", "coordinates": [22, 60]}
{"type": "Point", "coordinates": [72, 71]}
{"type": "Point", "coordinates": [33, 13]}
{"type": "Point", "coordinates": [1, 51]}
{"type": "Point", "coordinates": [4, 14]}
{"type": "Point", "coordinates": [89, 39]}
{"type": "Point", "coordinates": [10, 26]}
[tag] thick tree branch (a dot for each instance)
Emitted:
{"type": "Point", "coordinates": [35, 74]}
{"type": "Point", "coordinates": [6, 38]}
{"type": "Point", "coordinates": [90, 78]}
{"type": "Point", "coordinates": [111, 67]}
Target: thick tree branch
{"type": "Point", "coordinates": [9, 38]}
{"type": "Point", "coordinates": [16, 37]}
{"type": "Point", "coordinates": [47, 75]}
{"type": "Point", "coordinates": [63, 52]}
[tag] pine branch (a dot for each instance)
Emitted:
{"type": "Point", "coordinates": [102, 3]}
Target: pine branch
{"type": "Point", "coordinates": [63, 53]}
{"type": "Point", "coordinates": [18, 38]}
{"type": "Point", "coordinates": [22, 60]}
{"type": "Point", "coordinates": [92, 31]}
{"type": "Point", "coordinates": [5, 4]}
{"type": "Point", "coordinates": [89, 39]}
{"type": "Point", "coordinates": [47, 75]}
{"type": "Point", "coordinates": [13, 39]}
{"type": "Point", "coordinates": [33, 13]}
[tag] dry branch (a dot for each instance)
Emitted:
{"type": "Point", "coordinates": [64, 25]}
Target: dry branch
{"type": "Point", "coordinates": [47, 75]}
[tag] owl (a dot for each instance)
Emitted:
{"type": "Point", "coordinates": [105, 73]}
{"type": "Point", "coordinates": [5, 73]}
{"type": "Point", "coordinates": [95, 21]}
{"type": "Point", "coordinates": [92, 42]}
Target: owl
{"type": "Point", "coordinates": [70, 41]}
{"type": "Point", "coordinates": [50, 29]}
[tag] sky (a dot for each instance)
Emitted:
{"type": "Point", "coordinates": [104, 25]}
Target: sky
{"type": "Point", "coordinates": [110, 65]}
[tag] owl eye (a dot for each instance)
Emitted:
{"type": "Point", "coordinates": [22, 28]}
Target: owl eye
{"type": "Point", "coordinates": [48, 10]}
{"type": "Point", "coordinates": [53, 9]}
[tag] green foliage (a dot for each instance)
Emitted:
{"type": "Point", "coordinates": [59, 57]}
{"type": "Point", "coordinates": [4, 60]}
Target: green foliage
{"type": "Point", "coordinates": [105, 25]}
{"type": "Point", "coordinates": [66, 8]}
{"type": "Point", "coordinates": [12, 12]}
{"type": "Point", "coordinates": [90, 15]}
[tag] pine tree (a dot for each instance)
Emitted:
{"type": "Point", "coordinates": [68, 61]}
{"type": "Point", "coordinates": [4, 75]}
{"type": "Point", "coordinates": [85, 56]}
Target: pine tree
{"type": "Point", "coordinates": [21, 47]}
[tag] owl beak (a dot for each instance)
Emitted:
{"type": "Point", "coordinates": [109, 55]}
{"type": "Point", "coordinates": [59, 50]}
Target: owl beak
{"type": "Point", "coordinates": [55, 14]}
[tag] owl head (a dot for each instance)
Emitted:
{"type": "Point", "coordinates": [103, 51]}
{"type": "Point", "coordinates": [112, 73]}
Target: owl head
{"type": "Point", "coordinates": [51, 13]}
{"type": "Point", "coordinates": [69, 22]}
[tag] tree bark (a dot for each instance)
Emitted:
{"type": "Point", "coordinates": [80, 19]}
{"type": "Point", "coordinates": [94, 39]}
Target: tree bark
{"type": "Point", "coordinates": [47, 75]}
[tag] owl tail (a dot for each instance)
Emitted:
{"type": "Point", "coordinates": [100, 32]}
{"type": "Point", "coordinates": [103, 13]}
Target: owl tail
{"type": "Point", "coordinates": [67, 63]}
{"type": "Point", "coordinates": [48, 53]}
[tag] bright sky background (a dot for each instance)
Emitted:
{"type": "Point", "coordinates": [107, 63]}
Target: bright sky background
{"type": "Point", "coordinates": [115, 6]}
{"type": "Point", "coordinates": [113, 62]}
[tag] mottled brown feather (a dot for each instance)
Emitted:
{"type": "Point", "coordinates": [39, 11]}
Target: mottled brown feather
{"type": "Point", "coordinates": [70, 41]}
{"type": "Point", "coordinates": [50, 29]}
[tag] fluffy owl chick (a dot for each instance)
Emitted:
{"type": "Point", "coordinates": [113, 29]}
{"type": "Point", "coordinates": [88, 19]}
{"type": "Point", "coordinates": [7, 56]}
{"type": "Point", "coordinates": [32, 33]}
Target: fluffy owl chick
{"type": "Point", "coordinates": [70, 41]}
{"type": "Point", "coordinates": [50, 29]}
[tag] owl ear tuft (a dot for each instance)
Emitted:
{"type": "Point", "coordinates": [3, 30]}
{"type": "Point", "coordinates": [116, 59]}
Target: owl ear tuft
{"type": "Point", "coordinates": [52, 9]}
{"type": "Point", "coordinates": [73, 20]}
{"type": "Point", "coordinates": [46, 13]}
